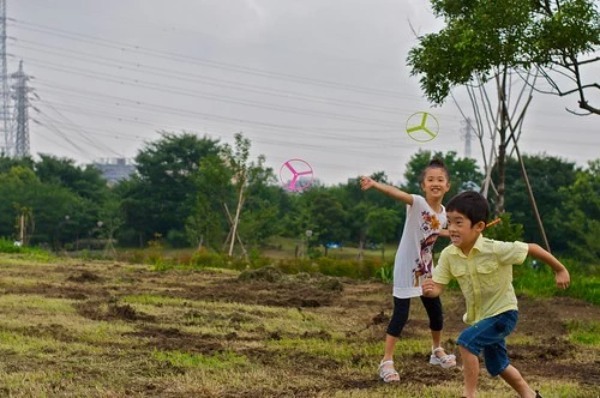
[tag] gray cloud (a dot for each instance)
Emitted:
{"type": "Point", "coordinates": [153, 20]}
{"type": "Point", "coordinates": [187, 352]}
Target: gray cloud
{"type": "Point", "coordinates": [325, 81]}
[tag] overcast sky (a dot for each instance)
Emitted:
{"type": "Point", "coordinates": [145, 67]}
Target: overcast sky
{"type": "Point", "coordinates": [324, 81]}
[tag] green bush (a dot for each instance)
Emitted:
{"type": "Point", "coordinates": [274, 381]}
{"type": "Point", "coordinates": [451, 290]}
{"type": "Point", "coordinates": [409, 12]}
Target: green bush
{"type": "Point", "coordinates": [386, 273]}
{"type": "Point", "coordinates": [34, 253]}
{"type": "Point", "coordinates": [539, 281]}
{"type": "Point", "coordinates": [268, 273]}
{"type": "Point", "coordinates": [505, 230]}
{"type": "Point", "coordinates": [132, 257]}
{"type": "Point", "coordinates": [297, 265]}
{"type": "Point", "coordinates": [368, 268]}
{"type": "Point", "coordinates": [257, 260]}
{"type": "Point", "coordinates": [176, 238]}
{"type": "Point", "coordinates": [205, 258]}
{"type": "Point", "coordinates": [8, 246]}
{"type": "Point", "coordinates": [335, 267]}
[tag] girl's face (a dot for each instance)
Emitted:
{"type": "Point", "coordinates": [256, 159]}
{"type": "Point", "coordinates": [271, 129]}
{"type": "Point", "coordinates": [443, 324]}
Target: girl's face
{"type": "Point", "coordinates": [435, 183]}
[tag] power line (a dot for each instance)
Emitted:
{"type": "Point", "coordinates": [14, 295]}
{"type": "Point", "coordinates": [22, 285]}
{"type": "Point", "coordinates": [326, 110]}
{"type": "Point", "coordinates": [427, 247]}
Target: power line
{"type": "Point", "coordinates": [124, 47]}
{"type": "Point", "coordinates": [194, 94]}
{"type": "Point", "coordinates": [197, 78]}
{"type": "Point", "coordinates": [152, 107]}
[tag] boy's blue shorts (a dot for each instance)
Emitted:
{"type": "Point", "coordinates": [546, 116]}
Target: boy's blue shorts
{"type": "Point", "coordinates": [488, 335]}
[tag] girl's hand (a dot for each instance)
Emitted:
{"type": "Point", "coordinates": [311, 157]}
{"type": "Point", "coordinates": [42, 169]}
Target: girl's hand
{"type": "Point", "coordinates": [366, 183]}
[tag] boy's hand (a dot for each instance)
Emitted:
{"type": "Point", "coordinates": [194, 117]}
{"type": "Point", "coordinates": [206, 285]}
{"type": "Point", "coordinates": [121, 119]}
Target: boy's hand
{"type": "Point", "coordinates": [562, 279]}
{"type": "Point", "coordinates": [428, 287]}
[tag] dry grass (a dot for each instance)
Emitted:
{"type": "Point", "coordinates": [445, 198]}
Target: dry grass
{"type": "Point", "coordinates": [104, 329]}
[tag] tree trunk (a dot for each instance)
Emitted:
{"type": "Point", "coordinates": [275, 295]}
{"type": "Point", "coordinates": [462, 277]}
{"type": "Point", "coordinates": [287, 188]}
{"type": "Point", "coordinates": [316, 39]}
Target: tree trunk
{"type": "Point", "coordinates": [534, 207]}
{"type": "Point", "coordinates": [236, 219]}
{"type": "Point", "coordinates": [361, 245]}
{"type": "Point", "coordinates": [502, 129]}
{"type": "Point", "coordinates": [501, 186]}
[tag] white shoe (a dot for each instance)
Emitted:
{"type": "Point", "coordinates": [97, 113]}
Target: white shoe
{"type": "Point", "coordinates": [446, 361]}
{"type": "Point", "coordinates": [387, 373]}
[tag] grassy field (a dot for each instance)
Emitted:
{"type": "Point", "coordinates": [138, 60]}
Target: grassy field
{"type": "Point", "coordinates": [74, 328]}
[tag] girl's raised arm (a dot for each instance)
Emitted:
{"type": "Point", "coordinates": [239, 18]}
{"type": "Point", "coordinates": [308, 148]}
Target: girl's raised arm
{"type": "Point", "coordinates": [398, 194]}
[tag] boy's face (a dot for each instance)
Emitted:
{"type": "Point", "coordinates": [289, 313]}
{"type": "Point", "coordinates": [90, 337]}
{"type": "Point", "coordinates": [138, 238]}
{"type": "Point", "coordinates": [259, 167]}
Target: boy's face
{"type": "Point", "coordinates": [435, 183]}
{"type": "Point", "coordinates": [462, 233]}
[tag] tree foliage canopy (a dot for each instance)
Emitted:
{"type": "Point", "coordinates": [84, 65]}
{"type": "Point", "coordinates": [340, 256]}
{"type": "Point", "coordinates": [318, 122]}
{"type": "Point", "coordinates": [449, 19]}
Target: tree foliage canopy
{"type": "Point", "coordinates": [482, 37]}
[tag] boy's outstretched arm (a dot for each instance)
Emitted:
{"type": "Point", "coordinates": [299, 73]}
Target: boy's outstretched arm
{"type": "Point", "coordinates": [398, 194]}
{"type": "Point", "coordinates": [561, 274]}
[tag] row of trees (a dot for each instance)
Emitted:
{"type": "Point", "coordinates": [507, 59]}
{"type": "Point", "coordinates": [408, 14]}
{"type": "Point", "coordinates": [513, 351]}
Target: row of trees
{"type": "Point", "coordinates": [191, 191]}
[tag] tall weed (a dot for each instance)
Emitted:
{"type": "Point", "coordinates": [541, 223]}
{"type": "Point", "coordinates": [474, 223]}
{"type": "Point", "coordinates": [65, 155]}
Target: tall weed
{"type": "Point", "coordinates": [29, 252]}
{"type": "Point", "coordinates": [537, 280]}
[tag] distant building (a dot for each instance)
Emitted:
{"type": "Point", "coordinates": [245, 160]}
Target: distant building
{"type": "Point", "coordinates": [115, 169]}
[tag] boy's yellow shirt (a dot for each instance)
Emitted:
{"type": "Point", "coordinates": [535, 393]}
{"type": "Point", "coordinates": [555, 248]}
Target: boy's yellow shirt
{"type": "Point", "coordinates": [485, 275]}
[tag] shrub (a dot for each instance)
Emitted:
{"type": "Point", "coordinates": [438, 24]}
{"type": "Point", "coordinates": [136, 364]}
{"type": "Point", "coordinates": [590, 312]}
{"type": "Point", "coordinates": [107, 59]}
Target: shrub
{"type": "Point", "coordinates": [268, 274]}
{"type": "Point", "coordinates": [505, 230]}
{"type": "Point", "coordinates": [8, 246]}
{"type": "Point", "coordinates": [34, 253]}
{"type": "Point", "coordinates": [206, 258]}
{"type": "Point", "coordinates": [386, 273]}
{"type": "Point", "coordinates": [297, 265]}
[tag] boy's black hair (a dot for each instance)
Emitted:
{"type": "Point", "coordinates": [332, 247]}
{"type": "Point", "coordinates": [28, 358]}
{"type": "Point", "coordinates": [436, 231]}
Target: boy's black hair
{"type": "Point", "coordinates": [435, 163]}
{"type": "Point", "coordinates": [470, 204]}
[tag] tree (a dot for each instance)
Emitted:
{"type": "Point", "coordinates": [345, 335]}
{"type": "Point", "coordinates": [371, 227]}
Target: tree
{"type": "Point", "coordinates": [582, 213]}
{"type": "Point", "coordinates": [249, 177]}
{"type": "Point", "coordinates": [263, 206]}
{"type": "Point", "coordinates": [365, 207]}
{"type": "Point", "coordinates": [7, 163]}
{"type": "Point", "coordinates": [15, 183]}
{"type": "Point", "coordinates": [207, 222]}
{"type": "Point", "coordinates": [110, 220]}
{"type": "Point", "coordinates": [354, 202]}
{"type": "Point", "coordinates": [159, 198]}
{"type": "Point", "coordinates": [483, 38]}
{"type": "Point", "coordinates": [85, 182]}
{"type": "Point", "coordinates": [382, 224]}
{"type": "Point", "coordinates": [54, 212]}
{"type": "Point", "coordinates": [497, 41]}
{"type": "Point", "coordinates": [463, 171]}
{"type": "Point", "coordinates": [564, 41]}
{"type": "Point", "coordinates": [327, 217]}
{"type": "Point", "coordinates": [548, 174]}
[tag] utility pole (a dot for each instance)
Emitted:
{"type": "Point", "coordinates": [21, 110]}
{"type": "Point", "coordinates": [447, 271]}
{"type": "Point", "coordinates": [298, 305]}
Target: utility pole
{"type": "Point", "coordinates": [7, 139]}
{"type": "Point", "coordinates": [467, 131]}
{"type": "Point", "coordinates": [21, 112]}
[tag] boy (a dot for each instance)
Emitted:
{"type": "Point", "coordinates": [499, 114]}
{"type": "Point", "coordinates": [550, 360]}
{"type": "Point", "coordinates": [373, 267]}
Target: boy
{"type": "Point", "coordinates": [483, 269]}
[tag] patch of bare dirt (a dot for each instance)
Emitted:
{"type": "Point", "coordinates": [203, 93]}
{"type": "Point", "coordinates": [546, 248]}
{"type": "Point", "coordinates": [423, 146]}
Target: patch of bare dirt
{"type": "Point", "coordinates": [73, 292]}
{"type": "Point", "coordinates": [287, 293]}
{"type": "Point", "coordinates": [54, 331]}
{"type": "Point", "coordinates": [98, 310]}
{"type": "Point", "coordinates": [85, 276]}
{"type": "Point", "coordinates": [172, 339]}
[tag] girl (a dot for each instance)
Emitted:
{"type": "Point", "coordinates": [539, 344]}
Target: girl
{"type": "Point", "coordinates": [425, 218]}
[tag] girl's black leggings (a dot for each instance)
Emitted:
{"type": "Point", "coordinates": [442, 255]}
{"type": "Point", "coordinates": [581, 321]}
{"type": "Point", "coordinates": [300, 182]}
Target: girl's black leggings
{"type": "Point", "coordinates": [433, 306]}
